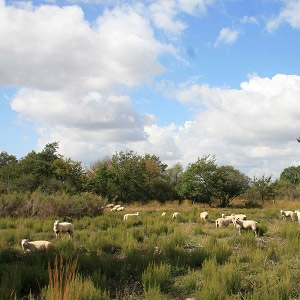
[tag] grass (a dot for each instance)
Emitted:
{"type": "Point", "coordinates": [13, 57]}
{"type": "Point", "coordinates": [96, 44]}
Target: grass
{"type": "Point", "coordinates": [153, 257]}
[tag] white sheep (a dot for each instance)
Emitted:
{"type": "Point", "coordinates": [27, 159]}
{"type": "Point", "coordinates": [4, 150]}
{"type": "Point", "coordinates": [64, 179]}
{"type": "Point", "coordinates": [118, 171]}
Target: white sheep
{"type": "Point", "coordinates": [35, 245]}
{"type": "Point", "coordinates": [222, 222]}
{"type": "Point", "coordinates": [223, 215]}
{"type": "Point", "coordinates": [163, 214]}
{"type": "Point", "coordinates": [297, 212]}
{"type": "Point", "coordinates": [246, 225]}
{"type": "Point", "coordinates": [121, 208]}
{"type": "Point", "coordinates": [239, 216]}
{"type": "Point", "coordinates": [129, 215]}
{"type": "Point", "coordinates": [175, 215]}
{"type": "Point", "coordinates": [287, 213]}
{"type": "Point", "coordinates": [115, 207]}
{"type": "Point", "coordinates": [111, 205]}
{"type": "Point", "coordinates": [204, 215]}
{"type": "Point", "coordinates": [60, 227]}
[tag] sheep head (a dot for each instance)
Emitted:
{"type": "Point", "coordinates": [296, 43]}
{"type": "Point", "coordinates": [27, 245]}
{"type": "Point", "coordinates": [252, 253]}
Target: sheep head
{"type": "Point", "coordinates": [56, 222]}
{"type": "Point", "coordinates": [24, 242]}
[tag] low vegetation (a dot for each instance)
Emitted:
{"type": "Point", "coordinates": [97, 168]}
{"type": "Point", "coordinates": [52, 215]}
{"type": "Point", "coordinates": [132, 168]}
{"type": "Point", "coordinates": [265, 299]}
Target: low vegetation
{"type": "Point", "coordinates": [153, 257]}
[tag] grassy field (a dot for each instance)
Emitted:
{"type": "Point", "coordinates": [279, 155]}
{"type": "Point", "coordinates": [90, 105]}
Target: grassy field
{"type": "Point", "coordinates": [154, 257]}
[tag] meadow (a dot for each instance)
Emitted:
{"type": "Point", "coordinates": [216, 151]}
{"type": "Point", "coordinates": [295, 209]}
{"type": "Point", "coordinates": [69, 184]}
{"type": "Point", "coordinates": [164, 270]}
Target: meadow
{"type": "Point", "coordinates": [154, 257]}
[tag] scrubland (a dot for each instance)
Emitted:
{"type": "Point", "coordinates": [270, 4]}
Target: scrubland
{"type": "Point", "coordinates": [154, 257]}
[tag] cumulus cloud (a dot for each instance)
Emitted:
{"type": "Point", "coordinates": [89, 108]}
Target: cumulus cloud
{"type": "Point", "coordinates": [226, 36]}
{"type": "Point", "coordinates": [74, 78]}
{"type": "Point", "coordinates": [290, 14]}
{"type": "Point", "coordinates": [49, 47]}
{"type": "Point", "coordinates": [253, 128]}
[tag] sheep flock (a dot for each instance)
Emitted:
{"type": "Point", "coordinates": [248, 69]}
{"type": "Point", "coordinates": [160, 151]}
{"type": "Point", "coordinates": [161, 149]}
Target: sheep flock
{"type": "Point", "coordinates": [239, 221]}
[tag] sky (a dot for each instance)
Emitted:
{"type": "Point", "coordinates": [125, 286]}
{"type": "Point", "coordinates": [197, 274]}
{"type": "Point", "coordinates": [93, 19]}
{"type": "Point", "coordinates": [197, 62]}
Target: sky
{"type": "Point", "coordinates": [176, 78]}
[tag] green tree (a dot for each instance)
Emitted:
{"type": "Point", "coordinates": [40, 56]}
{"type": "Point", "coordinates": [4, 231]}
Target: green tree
{"type": "Point", "coordinates": [8, 171]}
{"type": "Point", "coordinates": [198, 182]}
{"type": "Point", "coordinates": [291, 174]}
{"type": "Point", "coordinates": [100, 178]}
{"type": "Point", "coordinates": [264, 187]}
{"type": "Point", "coordinates": [127, 176]}
{"type": "Point", "coordinates": [231, 183]}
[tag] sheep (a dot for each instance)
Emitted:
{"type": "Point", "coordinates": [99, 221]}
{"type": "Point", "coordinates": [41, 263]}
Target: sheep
{"type": "Point", "coordinates": [111, 205]}
{"type": "Point", "coordinates": [59, 227]}
{"type": "Point", "coordinates": [287, 213]}
{"type": "Point", "coordinates": [35, 246]}
{"type": "Point", "coordinates": [121, 208]}
{"type": "Point", "coordinates": [128, 215]}
{"type": "Point", "coordinates": [239, 216]}
{"type": "Point", "coordinates": [297, 212]}
{"type": "Point", "coordinates": [163, 214]}
{"type": "Point", "coordinates": [223, 215]}
{"type": "Point", "coordinates": [246, 225]}
{"type": "Point", "coordinates": [222, 222]}
{"type": "Point", "coordinates": [175, 215]}
{"type": "Point", "coordinates": [204, 215]}
{"type": "Point", "coordinates": [115, 207]}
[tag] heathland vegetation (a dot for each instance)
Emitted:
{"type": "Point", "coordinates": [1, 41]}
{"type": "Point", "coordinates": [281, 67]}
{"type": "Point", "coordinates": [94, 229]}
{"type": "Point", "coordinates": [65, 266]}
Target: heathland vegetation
{"type": "Point", "coordinates": [146, 256]}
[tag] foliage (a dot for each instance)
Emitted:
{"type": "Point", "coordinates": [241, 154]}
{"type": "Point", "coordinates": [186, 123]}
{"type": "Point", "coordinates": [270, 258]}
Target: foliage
{"type": "Point", "coordinates": [45, 170]}
{"type": "Point", "coordinates": [264, 187]}
{"type": "Point", "coordinates": [198, 181]}
{"type": "Point", "coordinates": [38, 204]}
{"type": "Point", "coordinates": [232, 183]}
{"type": "Point", "coordinates": [204, 179]}
{"type": "Point", "coordinates": [291, 174]}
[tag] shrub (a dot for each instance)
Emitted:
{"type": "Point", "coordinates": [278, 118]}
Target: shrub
{"type": "Point", "coordinates": [156, 276]}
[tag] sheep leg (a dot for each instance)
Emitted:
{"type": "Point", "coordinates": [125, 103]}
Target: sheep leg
{"type": "Point", "coordinates": [56, 235]}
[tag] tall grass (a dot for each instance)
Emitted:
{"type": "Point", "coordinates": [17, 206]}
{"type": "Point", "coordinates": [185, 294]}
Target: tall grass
{"type": "Point", "coordinates": [66, 284]}
{"type": "Point", "coordinates": [152, 258]}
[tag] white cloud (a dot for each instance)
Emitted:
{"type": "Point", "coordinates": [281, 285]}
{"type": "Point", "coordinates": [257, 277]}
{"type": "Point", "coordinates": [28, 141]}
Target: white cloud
{"type": "Point", "coordinates": [253, 128]}
{"type": "Point", "coordinates": [226, 36]}
{"type": "Point", "coordinates": [290, 14]}
{"type": "Point", "coordinates": [74, 78]}
{"type": "Point", "coordinates": [53, 48]}
{"type": "Point", "coordinates": [165, 13]}
{"type": "Point", "coordinates": [250, 20]}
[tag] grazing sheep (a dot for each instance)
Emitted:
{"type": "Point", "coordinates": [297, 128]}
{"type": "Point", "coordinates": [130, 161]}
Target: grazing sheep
{"type": "Point", "coordinates": [175, 215]}
{"type": "Point", "coordinates": [163, 214]}
{"type": "Point", "coordinates": [111, 205]}
{"type": "Point", "coordinates": [297, 212]}
{"type": "Point", "coordinates": [239, 216]}
{"type": "Point", "coordinates": [121, 208]}
{"type": "Point", "coordinates": [287, 213]}
{"type": "Point", "coordinates": [60, 227]}
{"type": "Point", "coordinates": [129, 215]}
{"type": "Point", "coordinates": [35, 246]}
{"type": "Point", "coordinates": [115, 207]}
{"type": "Point", "coordinates": [246, 225]}
{"type": "Point", "coordinates": [222, 222]}
{"type": "Point", "coordinates": [204, 215]}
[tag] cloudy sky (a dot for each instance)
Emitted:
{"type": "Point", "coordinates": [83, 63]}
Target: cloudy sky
{"type": "Point", "coordinates": [176, 78]}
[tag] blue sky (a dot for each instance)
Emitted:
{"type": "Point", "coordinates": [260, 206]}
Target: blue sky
{"type": "Point", "coordinates": [176, 78]}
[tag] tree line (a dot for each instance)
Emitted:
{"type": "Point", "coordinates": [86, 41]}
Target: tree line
{"type": "Point", "coordinates": [128, 176]}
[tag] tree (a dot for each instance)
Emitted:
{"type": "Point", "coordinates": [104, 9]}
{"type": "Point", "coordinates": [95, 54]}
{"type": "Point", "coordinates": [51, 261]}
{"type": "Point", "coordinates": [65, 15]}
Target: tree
{"type": "Point", "coordinates": [100, 178]}
{"type": "Point", "coordinates": [231, 183]}
{"type": "Point", "coordinates": [291, 174]}
{"type": "Point", "coordinates": [264, 187]}
{"type": "Point", "coordinates": [127, 176]}
{"type": "Point", "coordinates": [8, 171]}
{"type": "Point", "coordinates": [198, 182]}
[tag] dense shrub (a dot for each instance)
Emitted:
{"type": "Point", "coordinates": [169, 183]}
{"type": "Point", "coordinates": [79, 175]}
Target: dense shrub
{"type": "Point", "coordinates": [38, 204]}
